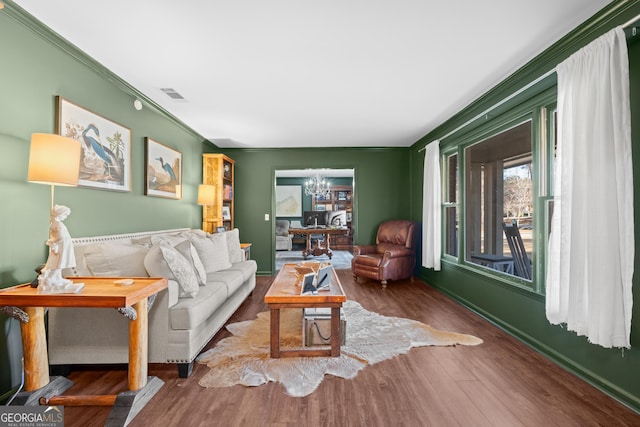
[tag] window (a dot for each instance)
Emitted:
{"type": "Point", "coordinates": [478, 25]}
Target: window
{"type": "Point", "coordinates": [451, 207]}
{"type": "Point", "coordinates": [498, 191]}
{"type": "Point", "coordinates": [498, 173]}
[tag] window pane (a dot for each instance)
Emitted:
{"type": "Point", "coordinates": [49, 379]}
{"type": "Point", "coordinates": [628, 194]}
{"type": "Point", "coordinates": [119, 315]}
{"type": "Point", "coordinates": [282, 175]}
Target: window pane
{"type": "Point", "coordinates": [452, 179]}
{"type": "Point", "coordinates": [451, 237]}
{"type": "Point", "coordinates": [498, 174]}
{"type": "Point", "coordinates": [451, 212]}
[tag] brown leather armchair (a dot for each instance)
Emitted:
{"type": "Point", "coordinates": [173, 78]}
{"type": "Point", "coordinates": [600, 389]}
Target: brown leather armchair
{"type": "Point", "coordinates": [393, 257]}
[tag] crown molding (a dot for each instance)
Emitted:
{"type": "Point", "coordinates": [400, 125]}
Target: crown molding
{"type": "Point", "coordinates": [31, 23]}
{"type": "Point", "coordinates": [614, 14]}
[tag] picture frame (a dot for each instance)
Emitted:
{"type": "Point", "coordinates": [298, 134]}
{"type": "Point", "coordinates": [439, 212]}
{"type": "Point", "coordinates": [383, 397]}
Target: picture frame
{"type": "Point", "coordinates": [163, 170]}
{"type": "Point", "coordinates": [226, 213]}
{"type": "Point", "coordinates": [308, 286]}
{"type": "Point", "coordinates": [342, 195]}
{"type": "Point", "coordinates": [220, 229]}
{"type": "Point", "coordinates": [105, 162]}
{"type": "Point", "coordinates": [288, 200]}
{"type": "Point", "coordinates": [324, 276]}
{"type": "Point", "coordinates": [348, 216]}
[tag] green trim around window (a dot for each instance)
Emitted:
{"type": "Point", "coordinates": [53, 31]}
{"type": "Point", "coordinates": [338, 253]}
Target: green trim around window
{"type": "Point", "coordinates": [516, 111]}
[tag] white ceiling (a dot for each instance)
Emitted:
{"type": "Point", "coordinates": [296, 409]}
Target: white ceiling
{"type": "Point", "coordinates": [295, 73]}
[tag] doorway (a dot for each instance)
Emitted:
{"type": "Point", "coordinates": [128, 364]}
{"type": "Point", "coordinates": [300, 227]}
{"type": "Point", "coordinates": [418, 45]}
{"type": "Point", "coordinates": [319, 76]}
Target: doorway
{"type": "Point", "coordinates": [294, 203]}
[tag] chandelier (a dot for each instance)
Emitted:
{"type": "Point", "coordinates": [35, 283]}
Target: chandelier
{"type": "Point", "coordinates": [317, 186]}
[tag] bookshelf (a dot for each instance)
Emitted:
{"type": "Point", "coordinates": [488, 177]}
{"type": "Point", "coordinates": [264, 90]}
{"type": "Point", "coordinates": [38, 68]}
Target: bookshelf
{"type": "Point", "coordinates": [219, 170]}
{"type": "Point", "coordinates": [340, 199]}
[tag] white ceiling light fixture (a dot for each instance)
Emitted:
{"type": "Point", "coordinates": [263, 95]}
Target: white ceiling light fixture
{"type": "Point", "coordinates": [137, 104]}
{"type": "Point", "coordinates": [317, 186]}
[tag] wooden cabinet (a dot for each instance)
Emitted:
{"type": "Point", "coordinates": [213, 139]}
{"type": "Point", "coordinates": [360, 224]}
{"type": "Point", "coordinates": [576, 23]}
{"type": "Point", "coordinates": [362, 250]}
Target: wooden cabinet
{"type": "Point", "coordinates": [218, 169]}
{"type": "Point", "coordinates": [340, 199]}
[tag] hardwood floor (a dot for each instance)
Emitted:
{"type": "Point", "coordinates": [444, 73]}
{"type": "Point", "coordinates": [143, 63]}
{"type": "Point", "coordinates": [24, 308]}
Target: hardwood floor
{"type": "Point", "coordinates": [499, 383]}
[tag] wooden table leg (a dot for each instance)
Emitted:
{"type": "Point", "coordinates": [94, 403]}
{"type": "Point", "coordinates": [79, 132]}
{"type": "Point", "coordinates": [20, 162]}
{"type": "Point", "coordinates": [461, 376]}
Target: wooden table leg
{"type": "Point", "coordinates": [34, 349]}
{"type": "Point", "coordinates": [307, 251]}
{"type": "Point", "coordinates": [275, 333]}
{"type": "Point", "coordinates": [138, 347]}
{"type": "Point", "coordinates": [327, 247]}
{"type": "Point", "coordinates": [335, 331]}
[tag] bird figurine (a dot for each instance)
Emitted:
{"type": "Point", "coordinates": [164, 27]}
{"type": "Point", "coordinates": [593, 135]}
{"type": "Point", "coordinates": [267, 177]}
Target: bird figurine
{"type": "Point", "coordinates": [112, 165]}
{"type": "Point", "coordinates": [168, 169]}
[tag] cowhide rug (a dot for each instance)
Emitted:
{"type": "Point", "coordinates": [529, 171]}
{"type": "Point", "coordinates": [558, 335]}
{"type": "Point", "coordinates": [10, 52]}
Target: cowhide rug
{"type": "Point", "coordinates": [244, 357]}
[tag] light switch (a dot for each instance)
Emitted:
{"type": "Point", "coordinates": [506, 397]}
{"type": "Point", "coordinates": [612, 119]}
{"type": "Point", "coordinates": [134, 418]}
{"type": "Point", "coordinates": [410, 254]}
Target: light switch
{"type": "Point", "coordinates": [266, 217]}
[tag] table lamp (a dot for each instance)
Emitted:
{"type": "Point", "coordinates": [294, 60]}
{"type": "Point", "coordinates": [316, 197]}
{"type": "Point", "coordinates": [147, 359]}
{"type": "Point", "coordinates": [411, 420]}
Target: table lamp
{"type": "Point", "coordinates": [206, 194]}
{"type": "Point", "coordinates": [55, 160]}
{"type": "Point", "coordinates": [206, 197]}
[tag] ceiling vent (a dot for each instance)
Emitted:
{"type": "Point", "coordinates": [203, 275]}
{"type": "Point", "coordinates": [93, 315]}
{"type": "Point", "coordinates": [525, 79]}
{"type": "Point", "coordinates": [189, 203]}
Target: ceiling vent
{"type": "Point", "coordinates": [171, 93]}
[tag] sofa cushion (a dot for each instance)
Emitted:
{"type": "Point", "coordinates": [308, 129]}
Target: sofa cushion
{"type": "Point", "coordinates": [233, 245]}
{"type": "Point", "coordinates": [247, 268]}
{"type": "Point", "coordinates": [232, 280]}
{"type": "Point", "coordinates": [188, 313]}
{"type": "Point", "coordinates": [187, 250]}
{"type": "Point", "coordinates": [116, 259]}
{"type": "Point", "coordinates": [165, 261]}
{"type": "Point", "coordinates": [213, 252]}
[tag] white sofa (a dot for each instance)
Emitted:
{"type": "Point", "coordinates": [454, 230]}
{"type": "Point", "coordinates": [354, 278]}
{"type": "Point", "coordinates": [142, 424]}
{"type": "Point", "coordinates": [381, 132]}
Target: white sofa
{"type": "Point", "coordinates": [208, 280]}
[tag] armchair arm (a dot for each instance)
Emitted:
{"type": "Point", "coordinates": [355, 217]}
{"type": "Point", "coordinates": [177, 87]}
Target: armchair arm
{"type": "Point", "coordinates": [364, 249]}
{"type": "Point", "coordinates": [395, 252]}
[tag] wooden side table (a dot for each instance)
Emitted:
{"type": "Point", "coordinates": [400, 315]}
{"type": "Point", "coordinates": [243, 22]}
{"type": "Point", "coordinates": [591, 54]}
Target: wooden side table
{"type": "Point", "coordinates": [246, 248]}
{"type": "Point", "coordinates": [28, 306]}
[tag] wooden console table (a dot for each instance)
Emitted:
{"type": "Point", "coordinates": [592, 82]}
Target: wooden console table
{"type": "Point", "coordinates": [27, 305]}
{"type": "Point", "coordinates": [318, 249]}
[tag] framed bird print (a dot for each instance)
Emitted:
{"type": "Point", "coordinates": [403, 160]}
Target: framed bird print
{"type": "Point", "coordinates": [163, 172]}
{"type": "Point", "coordinates": [106, 146]}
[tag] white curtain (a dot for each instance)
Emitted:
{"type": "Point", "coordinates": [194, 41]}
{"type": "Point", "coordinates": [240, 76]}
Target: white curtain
{"type": "Point", "coordinates": [431, 208]}
{"type": "Point", "coordinates": [591, 248]}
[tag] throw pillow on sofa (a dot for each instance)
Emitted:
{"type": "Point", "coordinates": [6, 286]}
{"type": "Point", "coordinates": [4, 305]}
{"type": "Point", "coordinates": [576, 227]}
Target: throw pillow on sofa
{"type": "Point", "coordinates": [187, 250]}
{"type": "Point", "coordinates": [116, 259]}
{"type": "Point", "coordinates": [213, 252]}
{"type": "Point", "coordinates": [233, 246]}
{"type": "Point", "coordinates": [165, 261]}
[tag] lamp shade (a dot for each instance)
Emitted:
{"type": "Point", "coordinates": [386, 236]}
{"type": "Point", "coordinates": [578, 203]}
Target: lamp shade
{"type": "Point", "coordinates": [206, 194]}
{"type": "Point", "coordinates": [54, 159]}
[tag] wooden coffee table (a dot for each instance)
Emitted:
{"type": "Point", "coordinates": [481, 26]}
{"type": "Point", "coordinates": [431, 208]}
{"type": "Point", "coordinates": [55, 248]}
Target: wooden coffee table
{"type": "Point", "coordinates": [285, 293]}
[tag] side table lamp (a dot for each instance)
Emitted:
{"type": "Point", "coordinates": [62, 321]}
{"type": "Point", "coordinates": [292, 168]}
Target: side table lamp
{"type": "Point", "coordinates": [55, 160]}
{"type": "Point", "coordinates": [206, 197]}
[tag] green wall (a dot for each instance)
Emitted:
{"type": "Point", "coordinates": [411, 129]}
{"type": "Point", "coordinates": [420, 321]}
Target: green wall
{"type": "Point", "coordinates": [381, 190]}
{"type": "Point", "coordinates": [522, 312]}
{"type": "Point", "coordinates": [33, 72]}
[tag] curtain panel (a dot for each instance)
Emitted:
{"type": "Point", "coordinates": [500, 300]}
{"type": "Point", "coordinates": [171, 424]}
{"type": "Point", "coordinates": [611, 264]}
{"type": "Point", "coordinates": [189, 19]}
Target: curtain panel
{"type": "Point", "coordinates": [591, 247]}
{"type": "Point", "coordinates": [432, 208]}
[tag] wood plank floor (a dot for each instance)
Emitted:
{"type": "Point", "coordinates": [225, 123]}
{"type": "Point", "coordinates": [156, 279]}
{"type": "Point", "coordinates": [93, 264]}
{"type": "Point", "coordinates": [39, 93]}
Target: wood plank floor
{"type": "Point", "coordinates": [499, 383]}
